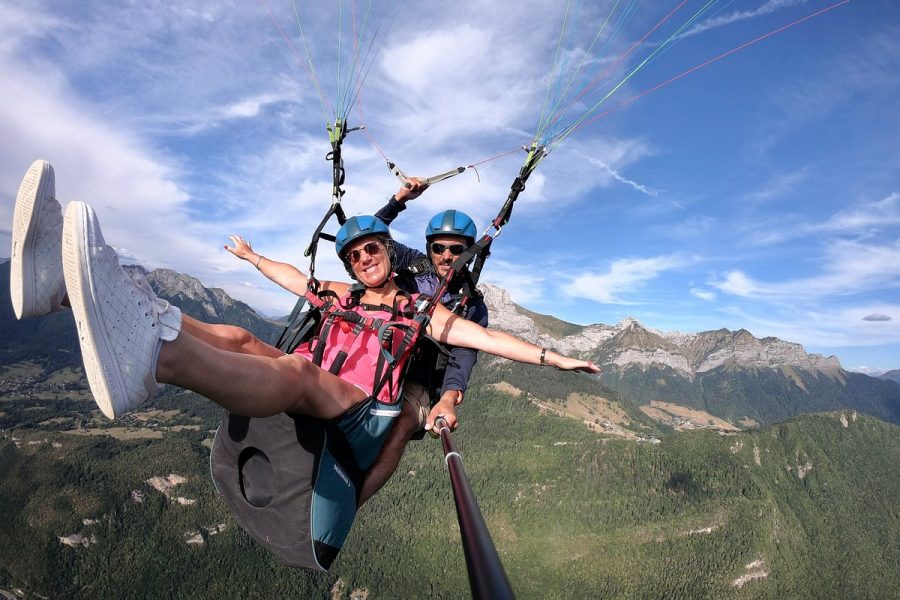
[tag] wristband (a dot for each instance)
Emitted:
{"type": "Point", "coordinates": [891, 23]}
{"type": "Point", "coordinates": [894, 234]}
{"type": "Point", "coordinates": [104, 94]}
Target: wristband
{"type": "Point", "coordinates": [543, 356]}
{"type": "Point", "coordinates": [258, 260]}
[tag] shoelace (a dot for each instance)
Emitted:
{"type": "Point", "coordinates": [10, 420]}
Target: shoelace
{"type": "Point", "coordinates": [154, 305]}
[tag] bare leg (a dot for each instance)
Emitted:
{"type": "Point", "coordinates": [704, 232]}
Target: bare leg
{"type": "Point", "coordinates": [391, 453]}
{"type": "Point", "coordinates": [254, 386]}
{"type": "Point", "coordinates": [228, 337]}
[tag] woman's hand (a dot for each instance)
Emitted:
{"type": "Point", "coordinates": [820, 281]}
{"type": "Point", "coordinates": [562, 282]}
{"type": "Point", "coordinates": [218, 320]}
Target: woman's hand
{"type": "Point", "coordinates": [242, 249]}
{"type": "Point", "coordinates": [573, 364]}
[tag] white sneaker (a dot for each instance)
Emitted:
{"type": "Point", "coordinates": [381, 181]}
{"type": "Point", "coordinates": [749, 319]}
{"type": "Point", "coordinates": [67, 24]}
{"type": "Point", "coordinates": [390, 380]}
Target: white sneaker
{"type": "Point", "coordinates": [121, 323]}
{"type": "Point", "coordinates": [36, 284]}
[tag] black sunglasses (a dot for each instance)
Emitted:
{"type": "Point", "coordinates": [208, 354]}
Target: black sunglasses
{"type": "Point", "coordinates": [371, 248]}
{"type": "Point", "coordinates": [455, 249]}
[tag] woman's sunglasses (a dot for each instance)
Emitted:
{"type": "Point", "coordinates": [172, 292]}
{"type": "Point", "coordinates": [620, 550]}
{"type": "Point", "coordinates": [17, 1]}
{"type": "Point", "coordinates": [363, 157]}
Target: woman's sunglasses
{"type": "Point", "coordinates": [371, 248]}
{"type": "Point", "coordinates": [455, 249]}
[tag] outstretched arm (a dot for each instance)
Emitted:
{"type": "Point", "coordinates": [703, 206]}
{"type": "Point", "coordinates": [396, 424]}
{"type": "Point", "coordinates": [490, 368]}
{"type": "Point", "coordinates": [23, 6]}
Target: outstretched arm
{"type": "Point", "coordinates": [453, 329]}
{"type": "Point", "coordinates": [286, 275]}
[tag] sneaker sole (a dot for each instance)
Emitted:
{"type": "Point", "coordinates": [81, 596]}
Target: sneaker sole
{"type": "Point", "coordinates": [100, 365]}
{"type": "Point", "coordinates": [35, 189]}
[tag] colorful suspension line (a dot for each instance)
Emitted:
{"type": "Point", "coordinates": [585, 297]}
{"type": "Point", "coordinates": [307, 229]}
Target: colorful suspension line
{"type": "Point", "coordinates": [583, 123]}
{"type": "Point", "coordinates": [563, 131]}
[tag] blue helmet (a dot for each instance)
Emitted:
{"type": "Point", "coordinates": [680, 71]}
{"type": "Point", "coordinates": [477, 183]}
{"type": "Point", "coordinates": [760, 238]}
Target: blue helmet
{"type": "Point", "coordinates": [452, 222]}
{"type": "Point", "coordinates": [357, 227]}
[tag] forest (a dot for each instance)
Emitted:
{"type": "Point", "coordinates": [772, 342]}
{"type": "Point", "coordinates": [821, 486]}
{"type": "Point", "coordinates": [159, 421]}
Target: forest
{"type": "Point", "coordinates": [802, 509]}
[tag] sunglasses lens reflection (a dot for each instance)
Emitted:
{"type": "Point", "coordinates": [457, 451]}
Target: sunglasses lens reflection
{"type": "Point", "coordinates": [455, 249]}
{"type": "Point", "coordinates": [371, 248]}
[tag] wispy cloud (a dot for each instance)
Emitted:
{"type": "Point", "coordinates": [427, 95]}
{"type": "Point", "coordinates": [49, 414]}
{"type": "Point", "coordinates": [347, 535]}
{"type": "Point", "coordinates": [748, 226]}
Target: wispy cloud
{"type": "Point", "coordinates": [703, 294]}
{"type": "Point", "coordinates": [849, 268]}
{"type": "Point", "coordinates": [624, 277]}
{"type": "Point", "coordinates": [779, 186]}
{"type": "Point", "coordinates": [643, 189]}
{"type": "Point", "coordinates": [863, 217]}
{"type": "Point", "coordinates": [769, 7]}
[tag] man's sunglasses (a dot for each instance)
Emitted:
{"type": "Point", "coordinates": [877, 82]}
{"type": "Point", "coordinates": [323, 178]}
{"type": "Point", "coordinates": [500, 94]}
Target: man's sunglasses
{"type": "Point", "coordinates": [455, 249]}
{"type": "Point", "coordinates": [371, 248]}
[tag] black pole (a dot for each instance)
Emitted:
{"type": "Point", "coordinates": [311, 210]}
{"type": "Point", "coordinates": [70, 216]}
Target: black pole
{"type": "Point", "coordinates": [487, 578]}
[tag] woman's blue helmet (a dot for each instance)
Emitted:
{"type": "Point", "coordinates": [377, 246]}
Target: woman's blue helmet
{"type": "Point", "coordinates": [357, 227]}
{"type": "Point", "coordinates": [452, 222]}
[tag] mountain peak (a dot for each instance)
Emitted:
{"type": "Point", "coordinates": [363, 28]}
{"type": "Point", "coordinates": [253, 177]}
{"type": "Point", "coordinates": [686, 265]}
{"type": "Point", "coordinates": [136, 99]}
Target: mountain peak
{"type": "Point", "coordinates": [629, 323]}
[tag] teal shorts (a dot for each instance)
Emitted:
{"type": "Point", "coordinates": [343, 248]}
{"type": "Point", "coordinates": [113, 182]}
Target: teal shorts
{"type": "Point", "coordinates": [365, 427]}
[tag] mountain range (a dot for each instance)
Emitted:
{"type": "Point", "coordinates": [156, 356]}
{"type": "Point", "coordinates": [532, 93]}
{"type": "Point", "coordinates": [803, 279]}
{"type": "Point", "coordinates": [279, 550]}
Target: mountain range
{"type": "Point", "coordinates": [727, 375]}
{"type": "Point", "coordinates": [731, 375]}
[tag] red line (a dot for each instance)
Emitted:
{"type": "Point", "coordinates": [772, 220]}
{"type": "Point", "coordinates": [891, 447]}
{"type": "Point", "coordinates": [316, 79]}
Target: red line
{"type": "Point", "coordinates": [708, 62]}
{"type": "Point", "coordinates": [599, 78]}
{"type": "Point", "coordinates": [297, 56]}
{"type": "Point", "coordinates": [481, 162]}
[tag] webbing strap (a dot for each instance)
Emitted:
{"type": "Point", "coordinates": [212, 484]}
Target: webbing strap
{"type": "Point", "coordinates": [388, 359]}
{"type": "Point", "coordinates": [336, 134]}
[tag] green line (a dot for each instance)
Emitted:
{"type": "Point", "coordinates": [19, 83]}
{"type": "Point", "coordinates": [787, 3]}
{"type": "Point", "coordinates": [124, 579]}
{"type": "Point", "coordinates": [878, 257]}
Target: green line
{"type": "Point", "coordinates": [541, 122]}
{"type": "Point", "coordinates": [568, 130]}
{"type": "Point", "coordinates": [312, 68]}
{"type": "Point", "coordinates": [578, 70]}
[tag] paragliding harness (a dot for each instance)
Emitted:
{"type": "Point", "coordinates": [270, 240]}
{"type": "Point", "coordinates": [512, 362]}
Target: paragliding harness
{"type": "Point", "coordinates": [292, 482]}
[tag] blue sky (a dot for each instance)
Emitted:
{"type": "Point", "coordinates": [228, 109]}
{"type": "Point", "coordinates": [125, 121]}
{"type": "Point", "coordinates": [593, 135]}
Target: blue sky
{"type": "Point", "coordinates": [759, 192]}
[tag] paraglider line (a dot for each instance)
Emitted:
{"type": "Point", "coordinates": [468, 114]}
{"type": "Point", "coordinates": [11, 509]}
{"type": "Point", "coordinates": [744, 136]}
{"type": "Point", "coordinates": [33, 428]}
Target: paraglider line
{"type": "Point", "coordinates": [706, 63]}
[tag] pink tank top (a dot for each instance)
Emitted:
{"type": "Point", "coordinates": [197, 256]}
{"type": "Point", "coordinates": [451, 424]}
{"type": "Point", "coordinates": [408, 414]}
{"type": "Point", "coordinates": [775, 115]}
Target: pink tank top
{"type": "Point", "coordinates": [363, 348]}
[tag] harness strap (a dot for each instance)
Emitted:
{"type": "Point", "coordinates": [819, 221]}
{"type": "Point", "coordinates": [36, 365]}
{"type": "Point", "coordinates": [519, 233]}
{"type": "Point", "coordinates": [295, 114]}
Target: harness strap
{"type": "Point", "coordinates": [335, 314]}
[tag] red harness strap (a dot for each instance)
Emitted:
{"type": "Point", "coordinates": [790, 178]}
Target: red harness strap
{"type": "Point", "coordinates": [334, 313]}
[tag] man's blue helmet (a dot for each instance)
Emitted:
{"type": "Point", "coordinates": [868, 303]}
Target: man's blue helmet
{"type": "Point", "coordinates": [452, 222]}
{"type": "Point", "coordinates": [357, 227]}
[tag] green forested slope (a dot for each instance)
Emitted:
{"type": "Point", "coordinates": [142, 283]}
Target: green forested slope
{"type": "Point", "coordinates": [573, 515]}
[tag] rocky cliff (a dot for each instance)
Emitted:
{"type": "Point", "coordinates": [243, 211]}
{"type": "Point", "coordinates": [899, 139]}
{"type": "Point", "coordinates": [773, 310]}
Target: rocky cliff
{"type": "Point", "coordinates": [629, 343]}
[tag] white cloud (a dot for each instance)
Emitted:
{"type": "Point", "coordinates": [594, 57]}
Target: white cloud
{"type": "Point", "coordinates": [734, 17]}
{"type": "Point", "coordinates": [737, 283]}
{"type": "Point", "coordinates": [624, 277]}
{"type": "Point", "coordinates": [849, 268]}
{"type": "Point", "coordinates": [864, 216]}
{"type": "Point", "coordinates": [779, 187]}
{"type": "Point", "coordinates": [444, 59]}
{"type": "Point", "coordinates": [703, 294]}
{"type": "Point", "coordinates": [524, 286]}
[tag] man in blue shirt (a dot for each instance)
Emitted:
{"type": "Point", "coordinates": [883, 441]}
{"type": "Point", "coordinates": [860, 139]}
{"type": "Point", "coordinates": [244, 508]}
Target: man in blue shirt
{"type": "Point", "coordinates": [436, 372]}
{"type": "Point", "coordinates": [447, 235]}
